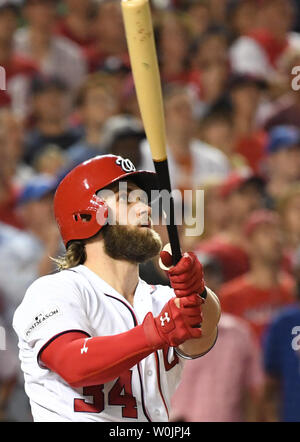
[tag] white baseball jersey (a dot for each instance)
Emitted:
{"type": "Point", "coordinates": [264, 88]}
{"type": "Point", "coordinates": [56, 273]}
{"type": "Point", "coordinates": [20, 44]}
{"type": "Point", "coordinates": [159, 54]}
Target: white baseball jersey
{"type": "Point", "coordinates": [79, 300]}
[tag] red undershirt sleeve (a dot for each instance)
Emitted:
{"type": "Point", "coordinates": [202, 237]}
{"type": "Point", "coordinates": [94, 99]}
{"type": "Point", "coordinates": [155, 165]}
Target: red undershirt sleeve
{"type": "Point", "coordinates": [83, 361]}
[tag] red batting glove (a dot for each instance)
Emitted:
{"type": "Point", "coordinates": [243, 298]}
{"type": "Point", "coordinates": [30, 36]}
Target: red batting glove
{"type": "Point", "coordinates": [186, 277]}
{"type": "Point", "coordinates": [174, 325]}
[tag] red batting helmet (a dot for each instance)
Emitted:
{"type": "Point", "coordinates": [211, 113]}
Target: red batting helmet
{"type": "Point", "coordinates": [79, 212]}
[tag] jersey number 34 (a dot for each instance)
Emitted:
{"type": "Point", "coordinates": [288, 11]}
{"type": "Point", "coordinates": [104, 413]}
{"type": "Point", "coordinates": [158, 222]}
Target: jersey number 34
{"type": "Point", "coordinates": [120, 394]}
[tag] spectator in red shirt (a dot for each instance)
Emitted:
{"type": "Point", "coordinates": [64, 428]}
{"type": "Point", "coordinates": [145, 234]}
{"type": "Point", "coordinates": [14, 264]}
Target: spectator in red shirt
{"type": "Point", "coordinates": [260, 293]}
{"type": "Point", "coordinates": [13, 173]}
{"type": "Point", "coordinates": [8, 201]}
{"type": "Point", "coordinates": [110, 40]}
{"type": "Point", "coordinates": [19, 70]}
{"type": "Point", "coordinates": [76, 25]}
{"type": "Point", "coordinates": [232, 124]}
{"type": "Point", "coordinates": [259, 51]}
{"type": "Point", "coordinates": [246, 93]}
{"type": "Point", "coordinates": [216, 129]}
{"type": "Point", "coordinates": [242, 195]}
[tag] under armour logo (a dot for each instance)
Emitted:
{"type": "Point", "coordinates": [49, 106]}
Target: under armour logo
{"type": "Point", "coordinates": [164, 319]}
{"type": "Point", "coordinates": [126, 164]}
{"type": "Point", "coordinates": [84, 349]}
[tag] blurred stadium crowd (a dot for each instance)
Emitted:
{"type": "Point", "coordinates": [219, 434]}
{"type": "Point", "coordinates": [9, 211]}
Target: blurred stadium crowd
{"type": "Point", "coordinates": [232, 109]}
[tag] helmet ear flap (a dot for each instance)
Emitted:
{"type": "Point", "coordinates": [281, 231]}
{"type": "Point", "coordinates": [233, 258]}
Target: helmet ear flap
{"type": "Point", "coordinates": [98, 213]}
{"type": "Point", "coordinates": [82, 217]}
{"type": "Point", "coordinates": [91, 220]}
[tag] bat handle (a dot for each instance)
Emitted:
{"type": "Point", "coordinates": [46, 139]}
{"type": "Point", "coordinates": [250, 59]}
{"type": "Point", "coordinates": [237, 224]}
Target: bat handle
{"type": "Point", "coordinates": [162, 170]}
{"type": "Point", "coordinates": [174, 242]}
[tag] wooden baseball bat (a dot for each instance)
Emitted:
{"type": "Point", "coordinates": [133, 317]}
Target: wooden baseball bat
{"type": "Point", "coordinates": [144, 64]}
{"type": "Point", "coordinates": [143, 57]}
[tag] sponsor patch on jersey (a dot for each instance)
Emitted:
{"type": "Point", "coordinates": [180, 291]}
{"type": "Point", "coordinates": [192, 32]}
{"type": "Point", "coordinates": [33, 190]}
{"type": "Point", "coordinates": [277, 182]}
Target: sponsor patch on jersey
{"type": "Point", "coordinates": [40, 319]}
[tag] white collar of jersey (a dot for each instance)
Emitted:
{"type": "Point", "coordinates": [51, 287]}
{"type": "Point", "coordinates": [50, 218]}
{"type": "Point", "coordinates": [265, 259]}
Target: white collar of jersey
{"type": "Point", "coordinates": [142, 292]}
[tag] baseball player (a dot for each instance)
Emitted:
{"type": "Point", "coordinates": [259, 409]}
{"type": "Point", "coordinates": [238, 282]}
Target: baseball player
{"type": "Point", "coordinates": [96, 342]}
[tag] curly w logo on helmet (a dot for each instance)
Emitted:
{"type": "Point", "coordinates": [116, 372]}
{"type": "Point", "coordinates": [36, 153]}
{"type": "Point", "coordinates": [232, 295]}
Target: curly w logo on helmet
{"type": "Point", "coordinates": [126, 164]}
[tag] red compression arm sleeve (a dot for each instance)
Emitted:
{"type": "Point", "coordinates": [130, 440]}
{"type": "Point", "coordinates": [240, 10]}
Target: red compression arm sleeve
{"type": "Point", "coordinates": [83, 361]}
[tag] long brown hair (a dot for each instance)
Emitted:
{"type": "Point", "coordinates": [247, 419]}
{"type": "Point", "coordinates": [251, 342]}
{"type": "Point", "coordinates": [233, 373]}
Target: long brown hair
{"type": "Point", "coordinates": [74, 256]}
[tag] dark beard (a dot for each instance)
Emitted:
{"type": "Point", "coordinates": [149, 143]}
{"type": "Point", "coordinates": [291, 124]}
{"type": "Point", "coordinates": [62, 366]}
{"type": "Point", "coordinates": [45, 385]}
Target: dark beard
{"type": "Point", "coordinates": [131, 244]}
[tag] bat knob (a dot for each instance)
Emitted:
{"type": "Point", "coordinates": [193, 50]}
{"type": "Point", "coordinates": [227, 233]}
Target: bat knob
{"type": "Point", "coordinates": [167, 248]}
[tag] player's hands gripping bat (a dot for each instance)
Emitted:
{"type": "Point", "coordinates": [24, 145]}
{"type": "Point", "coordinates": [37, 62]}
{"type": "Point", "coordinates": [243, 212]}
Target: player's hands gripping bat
{"type": "Point", "coordinates": [187, 280]}
{"type": "Point", "coordinates": [186, 277]}
{"type": "Point", "coordinates": [175, 324]}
